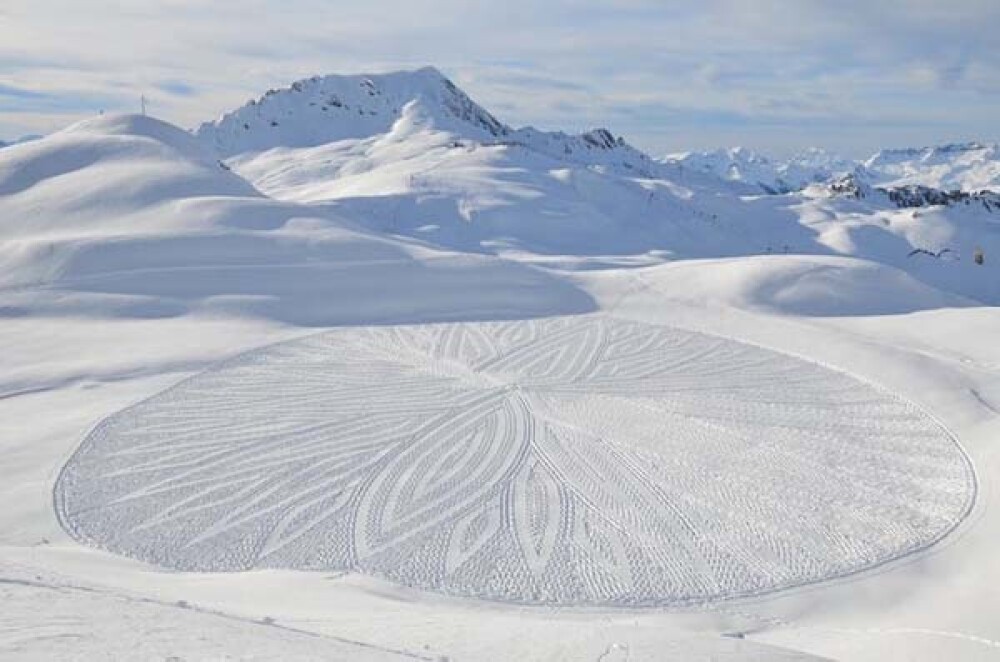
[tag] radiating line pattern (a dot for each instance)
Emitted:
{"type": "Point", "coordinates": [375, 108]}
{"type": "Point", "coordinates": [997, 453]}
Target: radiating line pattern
{"type": "Point", "coordinates": [582, 460]}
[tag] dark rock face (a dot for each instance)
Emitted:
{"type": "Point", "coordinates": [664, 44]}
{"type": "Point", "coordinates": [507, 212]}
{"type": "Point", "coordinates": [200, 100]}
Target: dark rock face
{"type": "Point", "coordinates": [602, 138]}
{"type": "Point", "coordinates": [461, 106]}
{"type": "Point", "coordinates": [915, 195]}
{"type": "Point", "coordinates": [850, 186]}
{"type": "Point", "coordinates": [924, 196]}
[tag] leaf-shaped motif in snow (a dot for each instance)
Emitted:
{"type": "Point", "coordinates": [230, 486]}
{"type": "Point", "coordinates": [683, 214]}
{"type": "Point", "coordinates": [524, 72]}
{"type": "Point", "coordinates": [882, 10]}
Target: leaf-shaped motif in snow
{"type": "Point", "coordinates": [472, 533]}
{"type": "Point", "coordinates": [455, 460]}
{"type": "Point", "coordinates": [538, 509]}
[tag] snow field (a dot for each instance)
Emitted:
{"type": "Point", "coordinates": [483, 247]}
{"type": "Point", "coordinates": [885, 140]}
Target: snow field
{"type": "Point", "coordinates": [581, 460]}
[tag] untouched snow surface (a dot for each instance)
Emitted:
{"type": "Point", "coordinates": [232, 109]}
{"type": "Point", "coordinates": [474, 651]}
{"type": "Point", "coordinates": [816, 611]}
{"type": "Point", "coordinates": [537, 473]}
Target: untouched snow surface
{"type": "Point", "coordinates": [132, 215]}
{"type": "Point", "coordinates": [132, 260]}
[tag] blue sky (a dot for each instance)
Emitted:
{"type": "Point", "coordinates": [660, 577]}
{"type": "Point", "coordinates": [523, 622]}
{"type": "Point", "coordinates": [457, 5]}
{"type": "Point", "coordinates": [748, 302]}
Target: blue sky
{"type": "Point", "coordinates": [775, 75]}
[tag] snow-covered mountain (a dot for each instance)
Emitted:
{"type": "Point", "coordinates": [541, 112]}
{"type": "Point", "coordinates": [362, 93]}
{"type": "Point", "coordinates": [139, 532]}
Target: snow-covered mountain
{"type": "Point", "coordinates": [909, 196]}
{"type": "Point", "coordinates": [967, 167]}
{"type": "Point", "coordinates": [738, 164]}
{"type": "Point", "coordinates": [329, 109]}
{"type": "Point", "coordinates": [489, 196]}
{"type": "Point", "coordinates": [410, 154]}
{"type": "Point", "coordinates": [332, 109]}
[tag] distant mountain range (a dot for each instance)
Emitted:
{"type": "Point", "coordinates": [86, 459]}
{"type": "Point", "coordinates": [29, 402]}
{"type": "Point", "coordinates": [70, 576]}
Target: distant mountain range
{"type": "Point", "coordinates": [739, 164]}
{"type": "Point", "coordinates": [967, 167]}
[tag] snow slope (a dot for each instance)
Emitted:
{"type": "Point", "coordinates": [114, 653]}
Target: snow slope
{"type": "Point", "coordinates": [22, 139]}
{"type": "Point", "coordinates": [130, 215]}
{"type": "Point", "coordinates": [428, 184]}
{"type": "Point", "coordinates": [812, 286]}
{"type": "Point", "coordinates": [415, 181]}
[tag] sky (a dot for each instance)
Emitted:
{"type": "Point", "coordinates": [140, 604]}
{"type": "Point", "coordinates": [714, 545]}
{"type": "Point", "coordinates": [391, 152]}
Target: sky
{"type": "Point", "coordinates": [777, 76]}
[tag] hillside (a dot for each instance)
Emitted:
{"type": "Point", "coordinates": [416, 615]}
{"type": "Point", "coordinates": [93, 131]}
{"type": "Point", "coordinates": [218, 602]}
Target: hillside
{"type": "Point", "coordinates": [131, 216]}
{"type": "Point", "coordinates": [410, 164]}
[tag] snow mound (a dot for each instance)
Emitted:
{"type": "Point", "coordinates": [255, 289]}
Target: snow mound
{"type": "Point", "coordinates": [579, 460]}
{"type": "Point", "coordinates": [803, 285]}
{"type": "Point", "coordinates": [103, 167]}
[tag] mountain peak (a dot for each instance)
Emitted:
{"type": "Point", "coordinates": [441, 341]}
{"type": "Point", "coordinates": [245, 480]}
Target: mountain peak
{"type": "Point", "coordinates": [330, 109]}
{"type": "Point", "coordinates": [325, 109]}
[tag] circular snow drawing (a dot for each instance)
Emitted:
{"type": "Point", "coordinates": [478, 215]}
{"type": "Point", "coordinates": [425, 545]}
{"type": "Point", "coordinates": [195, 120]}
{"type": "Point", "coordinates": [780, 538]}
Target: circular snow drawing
{"type": "Point", "coordinates": [574, 460]}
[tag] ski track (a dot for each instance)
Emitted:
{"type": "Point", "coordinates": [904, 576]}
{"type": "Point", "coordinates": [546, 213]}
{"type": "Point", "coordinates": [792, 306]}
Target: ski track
{"type": "Point", "coordinates": [582, 461]}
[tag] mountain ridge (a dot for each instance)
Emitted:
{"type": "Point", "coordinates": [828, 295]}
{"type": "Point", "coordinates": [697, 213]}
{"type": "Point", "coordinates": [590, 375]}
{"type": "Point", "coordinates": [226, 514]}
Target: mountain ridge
{"type": "Point", "coordinates": [327, 109]}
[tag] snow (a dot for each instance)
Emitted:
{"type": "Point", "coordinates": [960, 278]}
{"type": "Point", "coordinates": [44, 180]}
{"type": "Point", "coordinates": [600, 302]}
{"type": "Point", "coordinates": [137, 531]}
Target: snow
{"type": "Point", "coordinates": [94, 624]}
{"type": "Point", "coordinates": [470, 195]}
{"type": "Point", "coordinates": [332, 109]}
{"type": "Point", "coordinates": [804, 285]}
{"type": "Point", "coordinates": [969, 167]}
{"type": "Point", "coordinates": [106, 234]}
{"type": "Point", "coordinates": [571, 461]}
{"type": "Point", "coordinates": [762, 173]}
{"type": "Point", "coordinates": [145, 278]}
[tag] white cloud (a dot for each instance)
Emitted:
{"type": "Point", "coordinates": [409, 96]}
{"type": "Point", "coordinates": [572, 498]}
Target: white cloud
{"type": "Point", "coordinates": [667, 74]}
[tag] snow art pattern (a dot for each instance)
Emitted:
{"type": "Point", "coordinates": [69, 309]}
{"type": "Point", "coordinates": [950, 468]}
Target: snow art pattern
{"type": "Point", "coordinates": [569, 460]}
